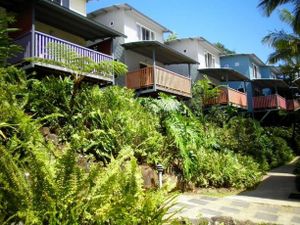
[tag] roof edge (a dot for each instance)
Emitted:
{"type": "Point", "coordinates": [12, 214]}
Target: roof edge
{"type": "Point", "coordinates": [128, 7]}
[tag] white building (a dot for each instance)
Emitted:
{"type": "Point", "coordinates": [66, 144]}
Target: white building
{"type": "Point", "coordinates": [144, 52]}
{"type": "Point", "coordinates": [199, 49]}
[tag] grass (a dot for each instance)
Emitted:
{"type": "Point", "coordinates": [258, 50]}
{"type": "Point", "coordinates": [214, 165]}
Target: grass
{"type": "Point", "coordinates": [217, 192]}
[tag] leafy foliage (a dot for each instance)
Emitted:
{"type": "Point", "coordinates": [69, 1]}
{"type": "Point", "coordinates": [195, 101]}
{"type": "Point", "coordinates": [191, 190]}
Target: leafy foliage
{"type": "Point", "coordinates": [192, 150]}
{"type": "Point", "coordinates": [223, 49]}
{"type": "Point", "coordinates": [65, 57]}
{"type": "Point", "coordinates": [41, 183]}
{"type": "Point", "coordinates": [62, 192]}
{"type": "Point", "coordinates": [7, 48]}
{"type": "Point", "coordinates": [286, 47]}
{"type": "Point", "coordinates": [269, 6]}
{"type": "Point", "coordinates": [203, 91]}
{"type": "Point", "coordinates": [247, 137]}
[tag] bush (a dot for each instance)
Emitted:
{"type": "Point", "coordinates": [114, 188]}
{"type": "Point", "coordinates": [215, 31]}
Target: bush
{"type": "Point", "coordinates": [246, 137]}
{"type": "Point", "coordinates": [225, 169]}
{"type": "Point", "coordinates": [192, 150]}
{"type": "Point", "coordinates": [61, 192]}
{"type": "Point", "coordinates": [43, 184]}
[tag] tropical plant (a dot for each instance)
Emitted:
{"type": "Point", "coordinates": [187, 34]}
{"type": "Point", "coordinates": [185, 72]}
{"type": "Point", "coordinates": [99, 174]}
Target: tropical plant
{"type": "Point", "coordinates": [286, 46]}
{"type": "Point", "coordinates": [223, 49]}
{"type": "Point", "coordinates": [172, 37]}
{"type": "Point", "coordinates": [269, 6]}
{"type": "Point", "coordinates": [246, 137]}
{"type": "Point", "coordinates": [193, 149]}
{"type": "Point", "coordinates": [61, 191]}
{"type": "Point", "coordinates": [8, 49]}
{"type": "Point", "coordinates": [41, 183]}
{"type": "Point", "coordinates": [79, 65]}
{"type": "Point", "coordinates": [203, 91]}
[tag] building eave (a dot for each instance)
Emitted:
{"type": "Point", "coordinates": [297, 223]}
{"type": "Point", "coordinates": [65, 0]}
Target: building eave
{"type": "Point", "coordinates": [127, 7]}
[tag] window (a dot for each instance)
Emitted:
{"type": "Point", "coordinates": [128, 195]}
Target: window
{"type": "Point", "coordinates": [210, 61]}
{"type": "Point", "coordinates": [145, 34]}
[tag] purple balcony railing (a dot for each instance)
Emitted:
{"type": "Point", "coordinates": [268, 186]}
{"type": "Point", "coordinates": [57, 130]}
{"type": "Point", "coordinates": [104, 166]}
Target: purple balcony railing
{"type": "Point", "coordinates": [39, 46]}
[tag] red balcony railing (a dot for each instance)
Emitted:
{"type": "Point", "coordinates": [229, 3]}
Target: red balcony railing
{"type": "Point", "coordinates": [229, 96]}
{"type": "Point", "coordinates": [269, 102]}
{"type": "Point", "coordinates": [161, 79]}
{"type": "Point", "coordinates": [292, 104]}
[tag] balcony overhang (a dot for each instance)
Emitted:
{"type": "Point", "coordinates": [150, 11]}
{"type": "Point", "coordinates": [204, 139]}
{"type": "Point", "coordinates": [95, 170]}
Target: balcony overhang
{"type": "Point", "coordinates": [62, 18]}
{"type": "Point", "coordinates": [224, 74]}
{"type": "Point", "coordinates": [163, 53]}
{"type": "Point", "coordinates": [270, 83]}
{"type": "Point", "coordinates": [67, 20]}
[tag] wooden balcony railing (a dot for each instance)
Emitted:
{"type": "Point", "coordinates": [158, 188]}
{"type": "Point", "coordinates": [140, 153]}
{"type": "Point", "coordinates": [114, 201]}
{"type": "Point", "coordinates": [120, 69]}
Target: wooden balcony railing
{"type": "Point", "coordinates": [229, 96]}
{"type": "Point", "coordinates": [39, 46]}
{"type": "Point", "coordinates": [160, 79]}
{"type": "Point", "coordinates": [292, 104]}
{"type": "Point", "coordinates": [269, 102]}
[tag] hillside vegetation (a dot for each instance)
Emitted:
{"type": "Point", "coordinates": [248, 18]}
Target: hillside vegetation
{"type": "Point", "coordinates": [73, 159]}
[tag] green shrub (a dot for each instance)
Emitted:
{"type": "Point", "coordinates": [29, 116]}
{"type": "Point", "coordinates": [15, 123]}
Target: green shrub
{"type": "Point", "coordinates": [59, 191]}
{"type": "Point", "coordinates": [225, 169]}
{"type": "Point", "coordinates": [247, 137]}
{"type": "Point", "coordinates": [106, 120]}
{"type": "Point", "coordinates": [193, 150]}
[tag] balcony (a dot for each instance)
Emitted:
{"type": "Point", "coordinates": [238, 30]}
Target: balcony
{"type": "Point", "coordinates": [269, 102]}
{"type": "Point", "coordinates": [154, 78]}
{"type": "Point", "coordinates": [36, 46]}
{"type": "Point", "coordinates": [292, 104]}
{"type": "Point", "coordinates": [229, 96]}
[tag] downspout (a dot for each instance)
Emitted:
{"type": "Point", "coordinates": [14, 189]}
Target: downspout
{"type": "Point", "coordinates": [190, 76]}
{"type": "Point", "coordinates": [113, 58]}
{"type": "Point", "coordinates": [154, 69]}
{"type": "Point", "coordinates": [33, 31]}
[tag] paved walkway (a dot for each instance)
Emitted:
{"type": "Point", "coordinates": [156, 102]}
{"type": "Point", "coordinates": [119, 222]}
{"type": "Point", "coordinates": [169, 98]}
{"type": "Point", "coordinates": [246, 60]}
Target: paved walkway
{"type": "Point", "coordinates": [269, 202]}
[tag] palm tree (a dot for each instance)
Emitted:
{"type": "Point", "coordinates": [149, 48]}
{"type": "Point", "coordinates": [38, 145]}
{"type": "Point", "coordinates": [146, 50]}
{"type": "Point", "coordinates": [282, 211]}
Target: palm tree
{"type": "Point", "coordinates": [286, 46]}
{"type": "Point", "coordinates": [270, 5]}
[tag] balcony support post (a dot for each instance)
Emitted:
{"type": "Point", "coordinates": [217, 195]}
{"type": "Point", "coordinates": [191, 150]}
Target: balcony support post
{"type": "Point", "coordinates": [245, 91]}
{"type": "Point", "coordinates": [32, 30]}
{"type": "Point", "coordinates": [189, 70]}
{"type": "Point", "coordinates": [154, 70]}
{"type": "Point", "coordinates": [276, 96]}
{"type": "Point", "coordinates": [227, 90]}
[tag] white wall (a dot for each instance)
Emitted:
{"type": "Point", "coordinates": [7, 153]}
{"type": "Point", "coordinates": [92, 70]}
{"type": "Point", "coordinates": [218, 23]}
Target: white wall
{"type": "Point", "coordinates": [133, 60]}
{"type": "Point", "coordinates": [78, 6]}
{"type": "Point", "coordinates": [187, 47]}
{"type": "Point", "coordinates": [204, 48]}
{"type": "Point", "coordinates": [125, 21]}
{"type": "Point", "coordinates": [113, 19]}
{"type": "Point", "coordinates": [196, 50]}
{"type": "Point", "coordinates": [132, 19]}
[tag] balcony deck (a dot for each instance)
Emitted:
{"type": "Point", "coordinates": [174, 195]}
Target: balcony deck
{"type": "Point", "coordinates": [269, 102]}
{"type": "Point", "coordinates": [37, 46]}
{"type": "Point", "coordinates": [151, 79]}
{"type": "Point", "coordinates": [229, 96]}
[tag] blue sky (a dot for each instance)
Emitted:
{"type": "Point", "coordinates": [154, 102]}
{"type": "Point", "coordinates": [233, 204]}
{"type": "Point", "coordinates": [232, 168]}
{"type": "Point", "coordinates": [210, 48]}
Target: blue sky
{"type": "Point", "coordinates": [239, 25]}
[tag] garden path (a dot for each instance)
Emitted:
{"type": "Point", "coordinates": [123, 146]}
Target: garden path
{"type": "Point", "coordinates": [268, 203]}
